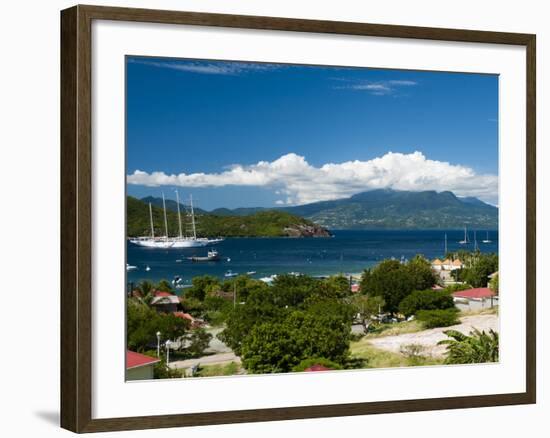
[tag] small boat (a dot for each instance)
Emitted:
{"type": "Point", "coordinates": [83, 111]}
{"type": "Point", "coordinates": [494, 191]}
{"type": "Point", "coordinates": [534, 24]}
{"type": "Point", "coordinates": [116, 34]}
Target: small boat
{"type": "Point", "coordinates": [130, 267]}
{"type": "Point", "coordinates": [465, 241]}
{"type": "Point", "coordinates": [269, 279]}
{"type": "Point", "coordinates": [230, 274]}
{"type": "Point", "coordinates": [250, 272]}
{"type": "Point", "coordinates": [212, 256]}
{"type": "Point", "coordinates": [177, 280]}
{"type": "Point", "coordinates": [179, 260]}
{"type": "Point", "coordinates": [486, 240]}
{"type": "Point", "coordinates": [147, 268]}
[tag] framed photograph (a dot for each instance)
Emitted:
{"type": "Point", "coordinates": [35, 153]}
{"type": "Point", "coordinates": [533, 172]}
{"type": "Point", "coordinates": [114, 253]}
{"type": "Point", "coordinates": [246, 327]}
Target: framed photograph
{"type": "Point", "coordinates": [270, 218]}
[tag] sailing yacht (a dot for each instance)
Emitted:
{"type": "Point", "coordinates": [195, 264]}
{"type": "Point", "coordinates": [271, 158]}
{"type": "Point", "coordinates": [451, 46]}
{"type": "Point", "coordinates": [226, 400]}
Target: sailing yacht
{"type": "Point", "coordinates": [486, 240]}
{"type": "Point", "coordinates": [465, 241]}
{"type": "Point", "coordinates": [180, 241]}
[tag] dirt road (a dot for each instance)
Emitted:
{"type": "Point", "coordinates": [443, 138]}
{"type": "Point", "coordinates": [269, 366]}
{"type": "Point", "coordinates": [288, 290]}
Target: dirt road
{"type": "Point", "coordinates": [429, 338]}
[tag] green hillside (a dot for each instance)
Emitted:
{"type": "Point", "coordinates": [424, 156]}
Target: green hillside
{"type": "Point", "coordinates": [269, 223]}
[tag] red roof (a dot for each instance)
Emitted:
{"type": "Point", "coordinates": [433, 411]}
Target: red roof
{"type": "Point", "coordinates": [480, 292]}
{"type": "Point", "coordinates": [134, 360]}
{"type": "Point", "coordinates": [355, 288]}
{"type": "Point", "coordinates": [160, 293]}
{"type": "Point", "coordinates": [317, 367]}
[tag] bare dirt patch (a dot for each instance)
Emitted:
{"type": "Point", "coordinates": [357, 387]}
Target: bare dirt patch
{"type": "Point", "coordinates": [429, 338]}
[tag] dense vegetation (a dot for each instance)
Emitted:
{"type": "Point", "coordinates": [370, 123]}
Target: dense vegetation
{"type": "Point", "coordinates": [477, 267]}
{"type": "Point", "coordinates": [275, 328]}
{"type": "Point", "coordinates": [394, 281]}
{"type": "Point", "coordinates": [269, 223]}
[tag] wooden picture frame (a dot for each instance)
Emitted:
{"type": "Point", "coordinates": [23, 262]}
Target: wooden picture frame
{"type": "Point", "coordinates": [76, 217]}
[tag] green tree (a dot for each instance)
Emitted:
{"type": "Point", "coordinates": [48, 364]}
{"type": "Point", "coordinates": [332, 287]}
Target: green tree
{"type": "Point", "coordinates": [493, 284]}
{"type": "Point", "coordinates": [478, 347]}
{"type": "Point", "coordinates": [367, 308]}
{"type": "Point", "coordinates": [438, 317]}
{"type": "Point", "coordinates": [197, 341]}
{"type": "Point", "coordinates": [201, 286]}
{"type": "Point", "coordinates": [425, 300]}
{"type": "Point", "coordinates": [142, 324]}
{"type": "Point", "coordinates": [421, 273]}
{"type": "Point", "coordinates": [390, 280]}
{"type": "Point", "coordinates": [164, 286]}
{"type": "Point", "coordinates": [163, 371]}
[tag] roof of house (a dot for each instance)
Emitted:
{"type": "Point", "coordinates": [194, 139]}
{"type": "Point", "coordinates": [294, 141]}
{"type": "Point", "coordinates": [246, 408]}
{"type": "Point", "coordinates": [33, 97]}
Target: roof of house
{"type": "Point", "coordinates": [437, 262]}
{"type": "Point", "coordinates": [480, 292]}
{"type": "Point", "coordinates": [355, 288]}
{"type": "Point", "coordinates": [493, 275]}
{"type": "Point", "coordinates": [317, 367]}
{"type": "Point", "coordinates": [457, 262]}
{"type": "Point", "coordinates": [161, 293]}
{"type": "Point", "coordinates": [447, 262]}
{"type": "Point", "coordinates": [135, 360]}
{"type": "Point", "coordinates": [168, 299]}
{"type": "Point", "coordinates": [437, 287]}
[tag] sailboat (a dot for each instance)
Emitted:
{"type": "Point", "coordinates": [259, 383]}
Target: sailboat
{"type": "Point", "coordinates": [465, 241]}
{"type": "Point", "coordinates": [486, 240]}
{"type": "Point", "coordinates": [181, 241]}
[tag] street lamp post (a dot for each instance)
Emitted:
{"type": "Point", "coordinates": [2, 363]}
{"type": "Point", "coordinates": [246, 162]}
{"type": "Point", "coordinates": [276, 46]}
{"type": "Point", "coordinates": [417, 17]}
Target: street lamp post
{"type": "Point", "coordinates": [158, 344]}
{"type": "Point", "coordinates": [168, 342]}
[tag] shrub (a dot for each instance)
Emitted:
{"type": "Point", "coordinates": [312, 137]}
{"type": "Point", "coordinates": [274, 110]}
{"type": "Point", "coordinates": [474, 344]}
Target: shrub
{"type": "Point", "coordinates": [425, 300]}
{"type": "Point", "coordinates": [438, 318]}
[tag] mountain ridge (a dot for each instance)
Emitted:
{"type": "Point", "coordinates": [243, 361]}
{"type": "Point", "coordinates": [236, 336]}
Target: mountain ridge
{"type": "Point", "coordinates": [386, 209]}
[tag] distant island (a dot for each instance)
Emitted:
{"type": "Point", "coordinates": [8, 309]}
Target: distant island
{"type": "Point", "coordinates": [268, 223]}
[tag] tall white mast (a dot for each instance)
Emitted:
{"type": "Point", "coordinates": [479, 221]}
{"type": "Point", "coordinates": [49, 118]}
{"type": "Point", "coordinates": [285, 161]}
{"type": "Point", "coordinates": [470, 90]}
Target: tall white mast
{"type": "Point", "coordinates": [165, 221]}
{"type": "Point", "coordinates": [192, 217]}
{"type": "Point", "coordinates": [179, 215]}
{"type": "Point", "coordinates": [151, 219]}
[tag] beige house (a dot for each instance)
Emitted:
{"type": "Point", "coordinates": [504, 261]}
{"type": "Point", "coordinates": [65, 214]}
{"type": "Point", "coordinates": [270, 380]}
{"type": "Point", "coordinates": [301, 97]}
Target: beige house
{"type": "Point", "coordinates": [444, 268]}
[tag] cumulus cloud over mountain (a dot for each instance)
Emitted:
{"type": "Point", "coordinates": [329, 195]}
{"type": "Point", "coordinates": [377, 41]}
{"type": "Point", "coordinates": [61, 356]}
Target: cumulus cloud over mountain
{"type": "Point", "coordinates": [300, 182]}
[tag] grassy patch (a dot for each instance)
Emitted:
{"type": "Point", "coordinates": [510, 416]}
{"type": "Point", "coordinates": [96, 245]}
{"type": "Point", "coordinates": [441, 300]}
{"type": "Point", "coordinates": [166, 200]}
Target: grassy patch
{"type": "Point", "coordinates": [398, 328]}
{"type": "Point", "coordinates": [488, 311]}
{"type": "Point", "coordinates": [229, 369]}
{"type": "Point", "coordinates": [377, 358]}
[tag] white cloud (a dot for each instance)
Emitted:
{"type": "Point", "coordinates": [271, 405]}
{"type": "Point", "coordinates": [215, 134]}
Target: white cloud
{"type": "Point", "coordinates": [292, 176]}
{"type": "Point", "coordinates": [206, 67]}
{"type": "Point", "coordinates": [377, 88]}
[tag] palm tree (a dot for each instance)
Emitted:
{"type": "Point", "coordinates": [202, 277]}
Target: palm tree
{"type": "Point", "coordinates": [478, 347]}
{"type": "Point", "coordinates": [147, 291]}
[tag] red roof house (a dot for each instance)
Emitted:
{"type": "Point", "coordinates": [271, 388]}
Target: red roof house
{"type": "Point", "coordinates": [139, 366]}
{"type": "Point", "coordinates": [317, 367]}
{"type": "Point", "coordinates": [160, 293]}
{"type": "Point", "coordinates": [479, 293]}
{"type": "Point", "coordinates": [134, 360]}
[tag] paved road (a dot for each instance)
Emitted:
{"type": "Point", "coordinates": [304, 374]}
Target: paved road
{"type": "Point", "coordinates": [429, 338]}
{"type": "Point", "coordinates": [217, 354]}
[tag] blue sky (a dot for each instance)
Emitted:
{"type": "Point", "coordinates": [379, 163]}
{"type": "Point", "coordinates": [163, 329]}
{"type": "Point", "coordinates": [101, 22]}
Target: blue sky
{"type": "Point", "coordinates": [238, 134]}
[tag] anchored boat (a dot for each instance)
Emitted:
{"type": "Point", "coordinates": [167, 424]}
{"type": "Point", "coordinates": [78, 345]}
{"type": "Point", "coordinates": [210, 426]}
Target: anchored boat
{"type": "Point", "coordinates": [181, 241]}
